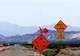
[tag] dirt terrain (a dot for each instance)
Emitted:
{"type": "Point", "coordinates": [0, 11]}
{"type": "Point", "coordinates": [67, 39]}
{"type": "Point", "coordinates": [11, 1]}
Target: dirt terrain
{"type": "Point", "coordinates": [69, 52]}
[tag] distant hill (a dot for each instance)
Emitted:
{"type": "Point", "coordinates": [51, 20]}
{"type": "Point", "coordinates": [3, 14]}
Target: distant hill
{"type": "Point", "coordinates": [8, 29]}
{"type": "Point", "coordinates": [28, 38]}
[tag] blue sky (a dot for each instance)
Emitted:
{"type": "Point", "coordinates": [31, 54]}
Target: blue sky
{"type": "Point", "coordinates": [40, 12]}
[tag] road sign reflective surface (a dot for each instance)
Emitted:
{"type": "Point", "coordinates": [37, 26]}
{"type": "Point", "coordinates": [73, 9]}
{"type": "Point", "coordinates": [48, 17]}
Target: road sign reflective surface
{"type": "Point", "coordinates": [60, 36]}
{"type": "Point", "coordinates": [40, 43]}
{"type": "Point", "coordinates": [60, 26]}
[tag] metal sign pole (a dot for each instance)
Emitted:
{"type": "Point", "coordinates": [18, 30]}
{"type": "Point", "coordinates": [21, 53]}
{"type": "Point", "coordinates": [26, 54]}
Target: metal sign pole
{"type": "Point", "coordinates": [60, 43]}
{"type": "Point", "coordinates": [40, 53]}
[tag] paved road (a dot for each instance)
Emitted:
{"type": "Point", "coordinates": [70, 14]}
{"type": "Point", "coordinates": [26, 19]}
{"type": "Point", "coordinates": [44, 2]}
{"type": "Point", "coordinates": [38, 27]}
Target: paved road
{"type": "Point", "coordinates": [19, 51]}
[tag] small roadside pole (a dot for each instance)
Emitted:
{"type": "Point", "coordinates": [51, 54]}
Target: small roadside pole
{"type": "Point", "coordinates": [41, 42]}
{"type": "Point", "coordinates": [60, 27]}
{"type": "Point", "coordinates": [60, 37]}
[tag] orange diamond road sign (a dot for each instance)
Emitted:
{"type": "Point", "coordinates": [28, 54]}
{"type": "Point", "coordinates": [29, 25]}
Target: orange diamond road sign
{"type": "Point", "coordinates": [40, 43]}
{"type": "Point", "coordinates": [60, 26]}
{"type": "Point", "coordinates": [60, 36]}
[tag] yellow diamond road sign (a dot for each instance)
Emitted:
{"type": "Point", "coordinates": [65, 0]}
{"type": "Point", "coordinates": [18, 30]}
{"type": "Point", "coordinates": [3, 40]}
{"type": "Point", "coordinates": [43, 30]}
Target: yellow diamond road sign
{"type": "Point", "coordinates": [60, 26]}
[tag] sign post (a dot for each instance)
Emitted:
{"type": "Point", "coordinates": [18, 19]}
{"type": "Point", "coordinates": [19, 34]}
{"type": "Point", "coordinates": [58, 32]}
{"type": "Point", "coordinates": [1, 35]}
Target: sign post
{"type": "Point", "coordinates": [60, 27]}
{"type": "Point", "coordinates": [41, 42]}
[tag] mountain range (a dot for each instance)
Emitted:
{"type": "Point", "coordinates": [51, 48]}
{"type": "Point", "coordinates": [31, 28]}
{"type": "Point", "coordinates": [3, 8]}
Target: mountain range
{"type": "Point", "coordinates": [51, 36]}
{"type": "Point", "coordinates": [12, 33]}
{"type": "Point", "coordinates": [8, 29]}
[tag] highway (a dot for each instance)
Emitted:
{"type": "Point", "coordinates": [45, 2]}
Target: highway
{"type": "Point", "coordinates": [19, 51]}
